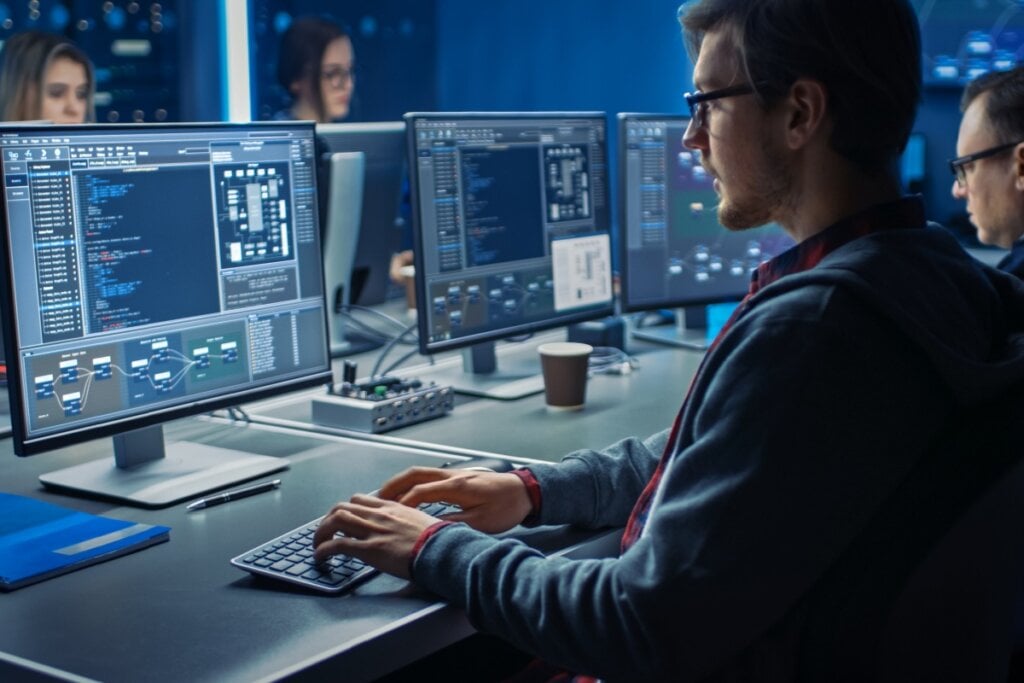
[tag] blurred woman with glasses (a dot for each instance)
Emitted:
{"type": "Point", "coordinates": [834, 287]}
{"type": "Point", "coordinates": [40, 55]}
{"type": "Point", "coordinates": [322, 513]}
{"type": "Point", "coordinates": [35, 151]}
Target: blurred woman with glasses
{"type": "Point", "coordinates": [316, 66]}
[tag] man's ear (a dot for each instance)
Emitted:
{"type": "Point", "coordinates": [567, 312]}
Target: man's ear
{"type": "Point", "coordinates": [1018, 167]}
{"type": "Point", "coordinates": [805, 109]}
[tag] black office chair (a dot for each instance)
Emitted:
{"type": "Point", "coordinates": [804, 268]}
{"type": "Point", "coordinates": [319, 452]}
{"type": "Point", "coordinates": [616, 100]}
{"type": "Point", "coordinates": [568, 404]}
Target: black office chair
{"type": "Point", "coordinates": [929, 590]}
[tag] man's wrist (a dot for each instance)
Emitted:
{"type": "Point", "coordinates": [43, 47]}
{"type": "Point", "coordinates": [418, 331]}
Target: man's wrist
{"type": "Point", "coordinates": [533, 491]}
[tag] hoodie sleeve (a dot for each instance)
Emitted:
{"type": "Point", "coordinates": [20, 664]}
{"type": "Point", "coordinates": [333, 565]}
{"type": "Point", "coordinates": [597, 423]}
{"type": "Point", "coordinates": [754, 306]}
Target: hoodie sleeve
{"type": "Point", "coordinates": [798, 431]}
{"type": "Point", "coordinates": [596, 489]}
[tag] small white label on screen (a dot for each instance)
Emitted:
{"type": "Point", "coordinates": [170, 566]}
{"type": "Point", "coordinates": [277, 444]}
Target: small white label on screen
{"type": "Point", "coordinates": [581, 271]}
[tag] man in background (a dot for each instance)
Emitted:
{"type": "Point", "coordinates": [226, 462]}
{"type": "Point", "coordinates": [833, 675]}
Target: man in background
{"type": "Point", "coordinates": [989, 168]}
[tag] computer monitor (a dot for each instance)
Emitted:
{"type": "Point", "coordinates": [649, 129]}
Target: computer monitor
{"type": "Point", "coordinates": [344, 210]}
{"type": "Point", "coordinates": [511, 229]}
{"type": "Point", "coordinates": [913, 163]}
{"type": "Point", "coordinates": [674, 253]}
{"type": "Point", "coordinates": [381, 224]}
{"type": "Point", "coordinates": [152, 272]}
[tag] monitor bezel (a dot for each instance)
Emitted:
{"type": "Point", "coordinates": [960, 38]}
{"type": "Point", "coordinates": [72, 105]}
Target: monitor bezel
{"type": "Point", "coordinates": [625, 303]}
{"type": "Point", "coordinates": [26, 446]}
{"type": "Point", "coordinates": [422, 320]}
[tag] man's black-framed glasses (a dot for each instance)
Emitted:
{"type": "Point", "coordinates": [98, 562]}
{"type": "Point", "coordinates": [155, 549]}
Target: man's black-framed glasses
{"type": "Point", "coordinates": [958, 166]}
{"type": "Point", "coordinates": [698, 100]}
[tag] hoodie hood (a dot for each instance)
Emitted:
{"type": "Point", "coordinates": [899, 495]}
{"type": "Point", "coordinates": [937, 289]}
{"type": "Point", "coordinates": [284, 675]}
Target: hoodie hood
{"type": "Point", "coordinates": [966, 317]}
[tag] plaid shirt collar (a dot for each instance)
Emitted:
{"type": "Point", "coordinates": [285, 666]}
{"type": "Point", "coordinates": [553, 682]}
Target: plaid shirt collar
{"type": "Point", "coordinates": [907, 212]}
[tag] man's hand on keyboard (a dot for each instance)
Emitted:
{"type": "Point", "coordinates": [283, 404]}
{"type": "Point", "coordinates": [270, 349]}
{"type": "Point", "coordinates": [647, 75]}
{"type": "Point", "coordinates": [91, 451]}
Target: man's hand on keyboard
{"type": "Point", "coordinates": [491, 502]}
{"type": "Point", "coordinates": [379, 532]}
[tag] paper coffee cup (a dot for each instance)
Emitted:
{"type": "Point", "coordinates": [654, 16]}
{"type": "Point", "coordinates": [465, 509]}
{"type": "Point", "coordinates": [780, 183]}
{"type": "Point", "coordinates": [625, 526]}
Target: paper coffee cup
{"type": "Point", "coordinates": [564, 365]}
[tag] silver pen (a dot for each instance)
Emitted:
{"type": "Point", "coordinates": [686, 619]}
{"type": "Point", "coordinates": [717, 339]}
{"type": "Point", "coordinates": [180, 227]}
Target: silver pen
{"type": "Point", "coordinates": [227, 496]}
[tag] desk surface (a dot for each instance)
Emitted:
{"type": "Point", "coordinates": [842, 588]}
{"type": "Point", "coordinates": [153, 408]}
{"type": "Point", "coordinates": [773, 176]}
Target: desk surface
{"type": "Point", "coordinates": [636, 404]}
{"type": "Point", "coordinates": [179, 611]}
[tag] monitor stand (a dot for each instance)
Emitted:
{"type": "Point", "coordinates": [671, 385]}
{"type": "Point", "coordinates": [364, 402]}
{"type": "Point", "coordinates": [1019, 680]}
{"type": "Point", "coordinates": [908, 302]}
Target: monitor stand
{"type": "Point", "coordinates": [149, 473]}
{"type": "Point", "coordinates": [480, 376]}
{"type": "Point", "coordinates": [689, 331]}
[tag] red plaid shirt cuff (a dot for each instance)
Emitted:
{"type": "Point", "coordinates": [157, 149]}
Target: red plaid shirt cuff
{"type": "Point", "coordinates": [532, 490]}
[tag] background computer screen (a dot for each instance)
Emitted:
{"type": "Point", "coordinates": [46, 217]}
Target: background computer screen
{"type": "Point", "coordinates": [674, 251]}
{"type": "Point", "coordinates": [511, 223]}
{"type": "Point", "coordinates": [156, 271]}
{"type": "Point", "coordinates": [963, 39]}
{"type": "Point", "coordinates": [381, 224]}
{"type": "Point", "coordinates": [913, 164]}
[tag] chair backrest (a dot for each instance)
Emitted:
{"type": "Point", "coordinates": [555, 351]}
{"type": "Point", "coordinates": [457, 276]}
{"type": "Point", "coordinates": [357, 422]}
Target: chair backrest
{"type": "Point", "coordinates": [928, 591]}
{"type": "Point", "coordinates": [954, 619]}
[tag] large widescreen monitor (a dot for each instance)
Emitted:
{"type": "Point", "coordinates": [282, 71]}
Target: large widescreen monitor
{"type": "Point", "coordinates": [511, 229]}
{"type": "Point", "coordinates": [674, 253]}
{"type": "Point", "coordinates": [153, 272]}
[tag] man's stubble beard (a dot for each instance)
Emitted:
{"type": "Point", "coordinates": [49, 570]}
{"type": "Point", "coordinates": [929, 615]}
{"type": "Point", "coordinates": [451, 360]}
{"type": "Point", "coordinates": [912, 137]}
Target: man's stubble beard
{"type": "Point", "coordinates": [763, 198]}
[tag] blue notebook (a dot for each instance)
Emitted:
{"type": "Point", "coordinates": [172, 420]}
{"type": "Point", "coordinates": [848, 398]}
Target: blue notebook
{"type": "Point", "coordinates": [39, 540]}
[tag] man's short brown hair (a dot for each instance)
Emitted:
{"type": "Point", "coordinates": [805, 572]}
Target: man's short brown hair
{"type": "Point", "coordinates": [1005, 104]}
{"type": "Point", "coordinates": [866, 53]}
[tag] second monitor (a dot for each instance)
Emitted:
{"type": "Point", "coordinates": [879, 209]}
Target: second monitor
{"type": "Point", "coordinates": [381, 223]}
{"type": "Point", "coordinates": [512, 234]}
{"type": "Point", "coordinates": [675, 254]}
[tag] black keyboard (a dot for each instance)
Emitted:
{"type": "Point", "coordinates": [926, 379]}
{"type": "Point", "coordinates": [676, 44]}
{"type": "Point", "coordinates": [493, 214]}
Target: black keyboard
{"type": "Point", "coordinates": [289, 557]}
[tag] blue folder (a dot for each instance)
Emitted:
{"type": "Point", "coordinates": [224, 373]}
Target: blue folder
{"type": "Point", "coordinates": [39, 540]}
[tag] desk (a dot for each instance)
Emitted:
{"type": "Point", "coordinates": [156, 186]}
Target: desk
{"type": "Point", "coordinates": [180, 612]}
{"type": "Point", "coordinates": [637, 404]}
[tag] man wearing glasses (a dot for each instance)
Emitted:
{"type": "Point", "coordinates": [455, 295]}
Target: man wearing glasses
{"type": "Point", "coordinates": [772, 537]}
{"type": "Point", "coordinates": [989, 173]}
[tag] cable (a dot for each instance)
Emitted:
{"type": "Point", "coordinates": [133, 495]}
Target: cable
{"type": "Point", "coordinates": [355, 307]}
{"type": "Point", "coordinates": [237, 414]}
{"type": "Point", "coordinates": [362, 329]}
{"type": "Point", "coordinates": [401, 360]}
{"type": "Point", "coordinates": [387, 349]}
{"type": "Point", "coordinates": [608, 360]}
{"type": "Point", "coordinates": [649, 318]}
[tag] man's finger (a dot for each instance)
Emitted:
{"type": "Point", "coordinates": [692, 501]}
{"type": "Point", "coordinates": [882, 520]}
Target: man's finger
{"type": "Point", "coordinates": [398, 485]}
{"type": "Point", "coordinates": [432, 492]}
{"type": "Point", "coordinates": [367, 500]}
{"type": "Point", "coordinates": [339, 545]}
